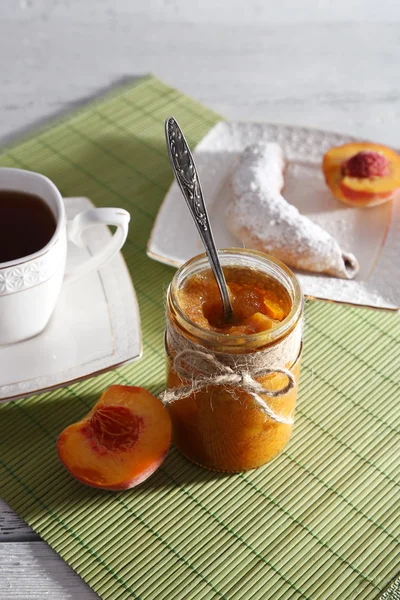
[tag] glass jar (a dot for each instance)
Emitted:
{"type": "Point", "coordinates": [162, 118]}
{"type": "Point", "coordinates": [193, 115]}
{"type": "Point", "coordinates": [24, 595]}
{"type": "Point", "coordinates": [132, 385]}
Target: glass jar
{"type": "Point", "coordinates": [221, 427]}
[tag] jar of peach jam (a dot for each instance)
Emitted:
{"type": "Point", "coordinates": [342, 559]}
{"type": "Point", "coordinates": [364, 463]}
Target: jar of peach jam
{"type": "Point", "coordinates": [220, 423]}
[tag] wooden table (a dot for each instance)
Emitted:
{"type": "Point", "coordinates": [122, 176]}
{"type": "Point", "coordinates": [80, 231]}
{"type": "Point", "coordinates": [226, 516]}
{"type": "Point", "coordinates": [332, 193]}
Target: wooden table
{"type": "Point", "coordinates": [332, 65]}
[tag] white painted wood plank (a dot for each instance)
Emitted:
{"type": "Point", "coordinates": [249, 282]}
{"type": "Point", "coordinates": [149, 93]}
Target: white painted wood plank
{"type": "Point", "coordinates": [208, 11]}
{"type": "Point", "coordinates": [12, 528]}
{"type": "Point", "coordinates": [337, 74]}
{"type": "Point", "coordinates": [33, 571]}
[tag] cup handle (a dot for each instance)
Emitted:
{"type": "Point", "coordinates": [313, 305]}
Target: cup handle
{"type": "Point", "coordinates": [97, 216]}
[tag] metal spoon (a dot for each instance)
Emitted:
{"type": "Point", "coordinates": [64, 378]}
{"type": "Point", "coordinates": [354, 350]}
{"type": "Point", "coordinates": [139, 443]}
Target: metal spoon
{"type": "Point", "coordinates": [188, 180]}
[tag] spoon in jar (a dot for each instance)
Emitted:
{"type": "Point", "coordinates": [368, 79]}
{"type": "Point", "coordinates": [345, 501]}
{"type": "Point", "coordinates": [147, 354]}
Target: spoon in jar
{"type": "Point", "coordinates": [188, 180]}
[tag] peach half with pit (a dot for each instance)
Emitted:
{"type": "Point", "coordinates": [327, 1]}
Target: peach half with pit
{"type": "Point", "coordinates": [363, 173]}
{"type": "Point", "coordinates": [120, 442]}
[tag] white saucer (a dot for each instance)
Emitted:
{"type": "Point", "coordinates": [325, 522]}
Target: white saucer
{"type": "Point", "coordinates": [95, 327]}
{"type": "Point", "coordinates": [371, 234]}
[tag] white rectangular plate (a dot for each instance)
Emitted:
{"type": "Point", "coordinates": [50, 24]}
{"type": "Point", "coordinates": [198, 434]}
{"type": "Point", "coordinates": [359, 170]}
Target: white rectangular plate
{"type": "Point", "coordinates": [95, 326]}
{"type": "Point", "coordinates": [371, 234]}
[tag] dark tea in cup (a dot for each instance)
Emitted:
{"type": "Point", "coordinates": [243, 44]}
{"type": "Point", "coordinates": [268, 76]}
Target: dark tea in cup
{"type": "Point", "coordinates": [27, 224]}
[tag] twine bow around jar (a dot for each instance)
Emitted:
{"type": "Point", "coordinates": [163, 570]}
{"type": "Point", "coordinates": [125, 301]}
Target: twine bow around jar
{"type": "Point", "coordinates": [202, 369]}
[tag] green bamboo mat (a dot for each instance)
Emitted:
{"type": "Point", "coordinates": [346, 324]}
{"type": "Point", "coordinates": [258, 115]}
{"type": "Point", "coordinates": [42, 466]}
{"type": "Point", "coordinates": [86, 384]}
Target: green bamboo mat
{"type": "Point", "coordinates": [320, 522]}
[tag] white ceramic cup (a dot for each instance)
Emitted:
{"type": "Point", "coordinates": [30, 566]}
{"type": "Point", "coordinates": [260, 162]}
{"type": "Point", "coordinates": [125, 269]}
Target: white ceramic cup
{"type": "Point", "coordinates": [30, 286]}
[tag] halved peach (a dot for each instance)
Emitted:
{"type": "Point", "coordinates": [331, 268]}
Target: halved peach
{"type": "Point", "coordinates": [120, 442]}
{"type": "Point", "coordinates": [362, 174]}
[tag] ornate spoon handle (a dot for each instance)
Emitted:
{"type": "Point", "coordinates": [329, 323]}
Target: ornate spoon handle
{"type": "Point", "coordinates": [188, 180]}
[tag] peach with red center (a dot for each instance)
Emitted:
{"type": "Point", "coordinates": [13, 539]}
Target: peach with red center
{"type": "Point", "coordinates": [362, 174]}
{"type": "Point", "coordinates": [120, 442]}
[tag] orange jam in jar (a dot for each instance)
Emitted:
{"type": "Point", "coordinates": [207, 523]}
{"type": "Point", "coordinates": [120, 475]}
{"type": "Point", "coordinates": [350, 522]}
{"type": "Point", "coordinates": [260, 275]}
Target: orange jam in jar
{"type": "Point", "coordinates": [219, 419]}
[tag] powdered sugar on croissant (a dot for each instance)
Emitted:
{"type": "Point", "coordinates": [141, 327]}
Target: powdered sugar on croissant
{"type": "Point", "coordinates": [262, 219]}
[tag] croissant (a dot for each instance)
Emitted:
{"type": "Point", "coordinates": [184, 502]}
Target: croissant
{"type": "Point", "coordinates": [260, 217]}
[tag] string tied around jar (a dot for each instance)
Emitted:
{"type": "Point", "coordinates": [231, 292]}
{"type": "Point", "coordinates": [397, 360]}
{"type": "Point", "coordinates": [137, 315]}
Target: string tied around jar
{"type": "Point", "coordinates": [202, 369]}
